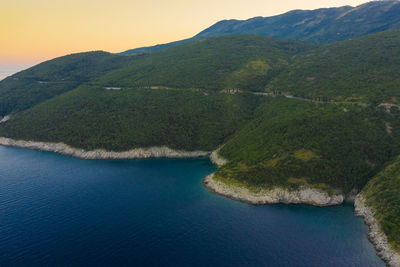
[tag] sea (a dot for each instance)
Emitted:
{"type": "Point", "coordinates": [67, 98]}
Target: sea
{"type": "Point", "coordinates": [61, 211]}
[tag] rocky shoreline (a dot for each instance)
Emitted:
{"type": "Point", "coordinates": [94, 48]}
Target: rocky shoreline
{"type": "Point", "coordinates": [308, 196]}
{"type": "Point", "coordinates": [375, 235]}
{"type": "Point", "coordinates": [216, 159]}
{"type": "Point", "coordinates": [137, 153]}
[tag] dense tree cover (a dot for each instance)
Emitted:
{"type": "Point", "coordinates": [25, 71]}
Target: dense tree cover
{"type": "Point", "coordinates": [229, 62]}
{"type": "Point", "coordinates": [365, 69]}
{"type": "Point", "coordinates": [321, 26]}
{"type": "Point", "coordinates": [291, 142]}
{"type": "Point", "coordinates": [382, 193]}
{"type": "Point", "coordinates": [92, 117]}
{"type": "Point", "coordinates": [238, 61]}
{"type": "Point", "coordinates": [54, 77]}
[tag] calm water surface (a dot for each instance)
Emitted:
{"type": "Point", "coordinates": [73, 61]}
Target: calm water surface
{"type": "Point", "coordinates": [56, 210]}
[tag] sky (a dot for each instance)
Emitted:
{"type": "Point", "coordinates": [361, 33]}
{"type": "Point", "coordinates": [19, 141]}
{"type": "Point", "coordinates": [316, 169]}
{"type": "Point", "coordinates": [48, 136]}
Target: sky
{"type": "Point", "coordinates": [32, 31]}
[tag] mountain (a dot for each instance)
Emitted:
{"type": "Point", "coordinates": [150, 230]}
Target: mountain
{"type": "Point", "coordinates": [320, 26]}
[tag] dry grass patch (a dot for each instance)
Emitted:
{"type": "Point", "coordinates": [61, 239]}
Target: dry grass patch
{"type": "Point", "coordinates": [304, 154]}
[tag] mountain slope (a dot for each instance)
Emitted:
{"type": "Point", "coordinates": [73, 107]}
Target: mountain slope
{"type": "Point", "coordinates": [236, 61]}
{"type": "Point", "coordinates": [320, 26]}
{"type": "Point", "coordinates": [217, 63]}
{"type": "Point", "coordinates": [290, 143]}
{"type": "Point", "coordinates": [92, 117]}
{"type": "Point", "coordinates": [48, 79]}
{"type": "Point", "coordinates": [326, 25]}
{"type": "Point", "coordinates": [365, 69]}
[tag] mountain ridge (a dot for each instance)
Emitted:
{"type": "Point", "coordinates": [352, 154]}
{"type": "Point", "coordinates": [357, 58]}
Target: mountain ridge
{"type": "Point", "coordinates": [328, 26]}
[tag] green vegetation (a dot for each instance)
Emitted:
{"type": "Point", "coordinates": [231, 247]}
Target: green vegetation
{"type": "Point", "coordinates": [291, 142]}
{"type": "Point", "coordinates": [241, 62]}
{"type": "Point", "coordinates": [382, 193]}
{"type": "Point", "coordinates": [244, 61]}
{"type": "Point", "coordinates": [54, 77]}
{"type": "Point", "coordinates": [361, 70]}
{"type": "Point", "coordinates": [92, 117]}
{"type": "Point", "coordinates": [228, 62]}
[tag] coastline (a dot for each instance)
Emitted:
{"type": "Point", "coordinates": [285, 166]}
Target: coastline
{"type": "Point", "coordinates": [307, 196]}
{"type": "Point", "coordinates": [375, 235]}
{"type": "Point", "coordinates": [136, 153]}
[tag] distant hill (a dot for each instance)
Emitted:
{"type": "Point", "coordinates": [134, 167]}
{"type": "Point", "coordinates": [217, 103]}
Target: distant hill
{"type": "Point", "coordinates": [320, 26]}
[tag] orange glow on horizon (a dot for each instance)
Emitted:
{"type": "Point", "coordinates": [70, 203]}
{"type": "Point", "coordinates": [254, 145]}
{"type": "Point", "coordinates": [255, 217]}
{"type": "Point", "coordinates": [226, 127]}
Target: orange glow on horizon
{"type": "Point", "coordinates": [34, 31]}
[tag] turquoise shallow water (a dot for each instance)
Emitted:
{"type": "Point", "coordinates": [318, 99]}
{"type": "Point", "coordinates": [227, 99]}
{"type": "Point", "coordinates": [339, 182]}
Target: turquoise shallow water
{"type": "Point", "coordinates": [56, 210]}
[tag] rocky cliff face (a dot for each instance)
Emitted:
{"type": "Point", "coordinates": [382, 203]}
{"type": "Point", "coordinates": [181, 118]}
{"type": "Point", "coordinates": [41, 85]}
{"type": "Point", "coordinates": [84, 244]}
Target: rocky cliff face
{"type": "Point", "coordinates": [309, 196]}
{"type": "Point", "coordinates": [217, 159]}
{"type": "Point", "coordinates": [376, 236]}
{"type": "Point", "coordinates": [151, 152]}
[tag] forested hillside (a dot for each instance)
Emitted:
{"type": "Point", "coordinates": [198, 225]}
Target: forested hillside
{"type": "Point", "coordinates": [48, 79]}
{"type": "Point", "coordinates": [383, 194]}
{"type": "Point", "coordinates": [93, 117]}
{"type": "Point", "coordinates": [247, 62]}
{"type": "Point", "coordinates": [365, 69]}
{"type": "Point", "coordinates": [291, 143]}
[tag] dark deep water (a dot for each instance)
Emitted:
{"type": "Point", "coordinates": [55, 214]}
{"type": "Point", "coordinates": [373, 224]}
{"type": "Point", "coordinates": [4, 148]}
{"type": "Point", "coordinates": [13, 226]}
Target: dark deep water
{"type": "Point", "coordinates": [56, 210]}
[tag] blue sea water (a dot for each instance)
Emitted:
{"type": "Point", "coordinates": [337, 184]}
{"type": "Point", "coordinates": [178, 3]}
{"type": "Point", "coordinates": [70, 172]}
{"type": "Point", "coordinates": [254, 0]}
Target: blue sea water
{"type": "Point", "coordinates": [56, 210]}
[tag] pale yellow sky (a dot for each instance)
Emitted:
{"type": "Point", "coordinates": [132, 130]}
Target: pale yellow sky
{"type": "Point", "coordinates": [35, 30]}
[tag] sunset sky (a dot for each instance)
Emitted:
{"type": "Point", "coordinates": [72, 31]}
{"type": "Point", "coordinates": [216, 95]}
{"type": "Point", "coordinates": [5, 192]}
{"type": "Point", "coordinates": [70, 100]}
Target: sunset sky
{"type": "Point", "coordinates": [36, 30]}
